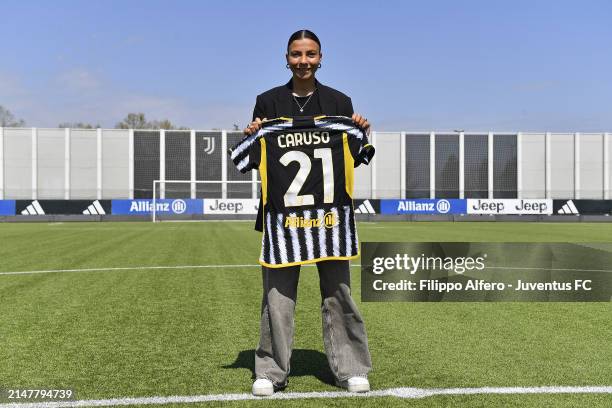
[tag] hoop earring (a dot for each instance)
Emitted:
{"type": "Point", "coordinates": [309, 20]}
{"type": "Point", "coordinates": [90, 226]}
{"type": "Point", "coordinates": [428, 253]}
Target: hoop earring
{"type": "Point", "coordinates": [287, 66]}
{"type": "Point", "coordinates": [320, 65]}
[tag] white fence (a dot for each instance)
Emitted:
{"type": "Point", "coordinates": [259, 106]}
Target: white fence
{"type": "Point", "coordinates": [116, 163]}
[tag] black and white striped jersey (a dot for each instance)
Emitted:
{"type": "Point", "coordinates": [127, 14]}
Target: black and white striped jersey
{"type": "Point", "coordinates": [306, 167]}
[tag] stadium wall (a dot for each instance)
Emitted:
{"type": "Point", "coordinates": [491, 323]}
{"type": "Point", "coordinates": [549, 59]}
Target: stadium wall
{"type": "Point", "coordinates": [107, 164]}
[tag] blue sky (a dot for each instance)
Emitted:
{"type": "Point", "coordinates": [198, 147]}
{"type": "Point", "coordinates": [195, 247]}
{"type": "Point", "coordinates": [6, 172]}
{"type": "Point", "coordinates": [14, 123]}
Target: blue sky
{"type": "Point", "coordinates": [408, 65]}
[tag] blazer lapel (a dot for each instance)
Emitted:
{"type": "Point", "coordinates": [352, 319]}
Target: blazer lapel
{"type": "Point", "coordinates": [326, 99]}
{"type": "Point", "coordinates": [282, 104]}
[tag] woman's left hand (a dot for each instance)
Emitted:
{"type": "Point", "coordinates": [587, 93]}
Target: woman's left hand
{"type": "Point", "coordinates": [361, 122]}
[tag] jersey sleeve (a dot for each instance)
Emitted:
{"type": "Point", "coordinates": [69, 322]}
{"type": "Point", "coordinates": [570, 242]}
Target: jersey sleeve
{"type": "Point", "coordinates": [246, 154]}
{"type": "Point", "coordinates": [361, 149]}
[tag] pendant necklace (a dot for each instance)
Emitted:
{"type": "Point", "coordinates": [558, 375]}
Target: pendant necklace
{"type": "Point", "coordinates": [307, 100]}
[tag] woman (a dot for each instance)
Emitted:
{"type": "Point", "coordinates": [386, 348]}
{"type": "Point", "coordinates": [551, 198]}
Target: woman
{"type": "Point", "coordinates": [344, 333]}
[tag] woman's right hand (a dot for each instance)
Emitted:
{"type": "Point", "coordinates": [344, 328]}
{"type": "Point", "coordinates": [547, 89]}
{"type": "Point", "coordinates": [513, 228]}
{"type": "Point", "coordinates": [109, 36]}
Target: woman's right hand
{"type": "Point", "coordinates": [253, 127]}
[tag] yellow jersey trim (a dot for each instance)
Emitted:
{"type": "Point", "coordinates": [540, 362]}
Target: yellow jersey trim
{"type": "Point", "coordinates": [348, 166]}
{"type": "Point", "coordinates": [310, 261]}
{"type": "Point", "coordinates": [263, 171]}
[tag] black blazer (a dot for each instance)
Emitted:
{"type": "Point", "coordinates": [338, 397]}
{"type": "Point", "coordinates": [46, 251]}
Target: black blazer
{"type": "Point", "coordinates": [279, 102]}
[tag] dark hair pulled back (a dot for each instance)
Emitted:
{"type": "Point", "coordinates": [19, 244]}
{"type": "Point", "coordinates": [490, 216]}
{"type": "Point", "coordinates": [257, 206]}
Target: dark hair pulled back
{"type": "Point", "coordinates": [300, 35]}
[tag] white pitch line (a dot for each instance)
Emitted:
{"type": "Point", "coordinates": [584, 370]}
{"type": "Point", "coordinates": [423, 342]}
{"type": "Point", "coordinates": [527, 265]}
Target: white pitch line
{"type": "Point", "coordinates": [128, 268]}
{"type": "Point", "coordinates": [137, 268]}
{"type": "Point", "coordinates": [391, 392]}
{"type": "Point", "coordinates": [141, 268]}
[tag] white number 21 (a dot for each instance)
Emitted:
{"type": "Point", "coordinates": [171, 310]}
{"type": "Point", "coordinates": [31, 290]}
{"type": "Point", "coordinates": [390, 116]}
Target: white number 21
{"type": "Point", "coordinates": [292, 197]}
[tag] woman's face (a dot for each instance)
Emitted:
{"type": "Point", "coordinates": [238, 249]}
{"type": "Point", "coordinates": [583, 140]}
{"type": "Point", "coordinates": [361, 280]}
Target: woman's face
{"type": "Point", "coordinates": [303, 58]}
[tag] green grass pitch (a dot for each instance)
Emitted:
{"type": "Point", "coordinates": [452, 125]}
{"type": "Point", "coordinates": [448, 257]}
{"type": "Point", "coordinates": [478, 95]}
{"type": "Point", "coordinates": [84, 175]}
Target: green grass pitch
{"type": "Point", "coordinates": [192, 331]}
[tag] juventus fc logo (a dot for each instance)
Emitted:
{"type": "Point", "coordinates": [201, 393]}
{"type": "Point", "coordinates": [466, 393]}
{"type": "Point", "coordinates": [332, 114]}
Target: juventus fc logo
{"type": "Point", "coordinates": [329, 220]}
{"type": "Point", "coordinates": [210, 144]}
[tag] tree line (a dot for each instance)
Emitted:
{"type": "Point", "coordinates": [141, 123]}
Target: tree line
{"type": "Point", "coordinates": [131, 121]}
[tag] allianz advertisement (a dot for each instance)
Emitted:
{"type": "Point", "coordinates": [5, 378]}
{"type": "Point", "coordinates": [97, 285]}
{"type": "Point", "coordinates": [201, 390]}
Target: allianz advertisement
{"type": "Point", "coordinates": [510, 206]}
{"type": "Point", "coordinates": [423, 206]}
{"type": "Point", "coordinates": [500, 206]}
{"type": "Point", "coordinates": [162, 206]}
{"type": "Point", "coordinates": [185, 206]}
{"type": "Point", "coordinates": [7, 207]}
{"type": "Point", "coordinates": [398, 207]}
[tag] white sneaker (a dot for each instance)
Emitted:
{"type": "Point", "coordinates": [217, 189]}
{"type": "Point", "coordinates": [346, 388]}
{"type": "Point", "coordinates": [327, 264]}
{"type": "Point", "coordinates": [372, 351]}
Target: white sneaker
{"type": "Point", "coordinates": [355, 384]}
{"type": "Point", "coordinates": [262, 387]}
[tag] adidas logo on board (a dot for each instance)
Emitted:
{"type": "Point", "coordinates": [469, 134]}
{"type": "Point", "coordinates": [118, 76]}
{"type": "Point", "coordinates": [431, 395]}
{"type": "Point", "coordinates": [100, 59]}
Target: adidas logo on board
{"type": "Point", "coordinates": [94, 209]}
{"type": "Point", "coordinates": [568, 208]}
{"type": "Point", "coordinates": [365, 208]}
{"type": "Point", "coordinates": [33, 209]}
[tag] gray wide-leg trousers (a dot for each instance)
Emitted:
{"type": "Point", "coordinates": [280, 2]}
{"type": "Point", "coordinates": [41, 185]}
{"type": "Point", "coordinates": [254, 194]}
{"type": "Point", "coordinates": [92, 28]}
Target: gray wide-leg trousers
{"type": "Point", "coordinates": [344, 335]}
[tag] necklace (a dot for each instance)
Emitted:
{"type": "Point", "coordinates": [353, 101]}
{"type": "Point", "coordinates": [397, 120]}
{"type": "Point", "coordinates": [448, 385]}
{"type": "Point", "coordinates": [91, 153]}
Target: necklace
{"type": "Point", "coordinates": [305, 103]}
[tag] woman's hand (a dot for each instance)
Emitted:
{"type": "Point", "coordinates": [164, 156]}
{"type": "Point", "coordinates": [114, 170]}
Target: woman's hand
{"type": "Point", "coordinates": [253, 127]}
{"type": "Point", "coordinates": [361, 122]}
